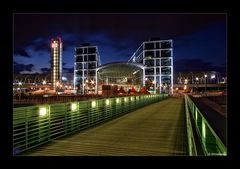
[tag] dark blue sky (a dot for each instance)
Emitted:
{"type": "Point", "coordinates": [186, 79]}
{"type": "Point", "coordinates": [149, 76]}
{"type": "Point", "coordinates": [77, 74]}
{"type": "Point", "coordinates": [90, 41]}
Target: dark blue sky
{"type": "Point", "coordinates": [199, 39]}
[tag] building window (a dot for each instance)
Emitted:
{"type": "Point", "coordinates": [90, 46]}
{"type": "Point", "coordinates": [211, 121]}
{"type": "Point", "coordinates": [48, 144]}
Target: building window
{"type": "Point", "coordinates": [165, 45]}
{"type": "Point", "coordinates": [91, 72]}
{"type": "Point", "coordinates": [157, 70]}
{"type": "Point", "coordinates": [79, 58]}
{"type": "Point", "coordinates": [91, 50]}
{"type": "Point", "coordinates": [92, 65]}
{"type": "Point", "coordinates": [165, 53]}
{"type": "Point", "coordinates": [149, 71]}
{"type": "Point", "coordinates": [149, 62]}
{"type": "Point", "coordinates": [158, 45]}
{"type": "Point", "coordinates": [166, 70]}
{"type": "Point", "coordinates": [165, 62]}
{"type": "Point", "coordinates": [85, 58]}
{"type": "Point", "coordinates": [149, 45]}
{"type": "Point", "coordinates": [79, 72]}
{"type": "Point", "coordinates": [166, 79]}
{"type": "Point", "coordinates": [79, 66]}
{"type": "Point", "coordinates": [79, 51]}
{"type": "Point", "coordinates": [91, 57]}
{"type": "Point", "coordinates": [157, 54]}
{"type": "Point", "coordinates": [149, 54]}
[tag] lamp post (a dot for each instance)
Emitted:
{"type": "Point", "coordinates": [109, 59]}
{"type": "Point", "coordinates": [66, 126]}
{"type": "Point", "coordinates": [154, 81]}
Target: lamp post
{"type": "Point", "coordinates": [213, 77]}
{"type": "Point", "coordinates": [20, 91]}
{"type": "Point", "coordinates": [197, 83]}
{"type": "Point", "coordinates": [205, 82]}
{"type": "Point", "coordinates": [192, 77]}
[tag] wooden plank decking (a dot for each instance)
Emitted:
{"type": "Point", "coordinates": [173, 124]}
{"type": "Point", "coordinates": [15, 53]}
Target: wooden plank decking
{"type": "Point", "coordinates": [154, 130]}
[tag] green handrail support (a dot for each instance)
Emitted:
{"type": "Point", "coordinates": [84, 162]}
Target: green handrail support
{"type": "Point", "coordinates": [36, 125]}
{"type": "Point", "coordinates": [211, 144]}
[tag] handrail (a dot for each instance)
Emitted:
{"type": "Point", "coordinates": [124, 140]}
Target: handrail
{"type": "Point", "coordinates": [36, 125]}
{"type": "Point", "coordinates": [190, 137]}
{"type": "Point", "coordinates": [210, 142]}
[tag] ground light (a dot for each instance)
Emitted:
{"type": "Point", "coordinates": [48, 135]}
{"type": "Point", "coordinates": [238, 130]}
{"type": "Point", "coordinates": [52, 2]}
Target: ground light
{"type": "Point", "coordinates": [93, 104]}
{"type": "Point", "coordinates": [42, 111]}
{"type": "Point", "coordinates": [107, 102]}
{"type": "Point", "coordinates": [117, 100]}
{"type": "Point", "coordinates": [73, 106]}
{"type": "Point", "coordinates": [125, 99]}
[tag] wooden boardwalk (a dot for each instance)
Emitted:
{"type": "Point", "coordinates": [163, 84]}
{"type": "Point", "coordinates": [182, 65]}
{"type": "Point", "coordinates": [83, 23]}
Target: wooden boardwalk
{"type": "Point", "coordinates": [155, 130]}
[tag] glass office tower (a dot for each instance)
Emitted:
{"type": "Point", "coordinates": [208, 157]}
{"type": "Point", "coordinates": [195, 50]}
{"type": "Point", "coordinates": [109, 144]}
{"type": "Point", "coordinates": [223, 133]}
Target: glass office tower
{"type": "Point", "coordinates": [87, 60]}
{"type": "Point", "coordinates": [157, 57]}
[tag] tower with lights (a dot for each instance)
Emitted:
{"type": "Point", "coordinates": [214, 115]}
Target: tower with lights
{"type": "Point", "coordinates": [56, 61]}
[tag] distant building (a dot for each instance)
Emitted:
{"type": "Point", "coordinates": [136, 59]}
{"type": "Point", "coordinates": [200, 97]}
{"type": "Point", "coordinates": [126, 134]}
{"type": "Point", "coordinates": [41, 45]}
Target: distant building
{"type": "Point", "coordinates": [56, 62]}
{"type": "Point", "coordinates": [157, 57]}
{"type": "Point", "coordinates": [87, 60]}
{"type": "Point", "coordinates": [200, 77]}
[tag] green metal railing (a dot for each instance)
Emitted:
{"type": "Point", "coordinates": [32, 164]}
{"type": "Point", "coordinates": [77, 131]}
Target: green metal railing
{"type": "Point", "coordinates": [36, 125]}
{"type": "Point", "coordinates": [211, 144]}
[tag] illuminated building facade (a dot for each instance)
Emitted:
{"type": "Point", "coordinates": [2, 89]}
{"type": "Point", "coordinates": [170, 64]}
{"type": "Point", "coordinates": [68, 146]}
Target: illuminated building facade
{"type": "Point", "coordinates": [118, 75]}
{"type": "Point", "coordinates": [151, 66]}
{"type": "Point", "coordinates": [157, 57]}
{"type": "Point", "coordinates": [87, 60]}
{"type": "Point", "coordinates": [56, 62]}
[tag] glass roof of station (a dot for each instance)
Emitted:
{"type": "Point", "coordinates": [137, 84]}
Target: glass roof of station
{"type": "Point", "coordinates": [120, 69]}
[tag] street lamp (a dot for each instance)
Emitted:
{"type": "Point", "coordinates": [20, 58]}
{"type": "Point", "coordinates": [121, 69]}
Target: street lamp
{"type": "Point", "coordinates": [197, 83]}
{"type": "Point", "coordinates": [20, 92]}
{"type": "Point", "coordinates": [205, 82]}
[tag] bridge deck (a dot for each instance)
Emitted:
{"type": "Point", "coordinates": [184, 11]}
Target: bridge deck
{"type": "Point", "coordinates": [157, 129]}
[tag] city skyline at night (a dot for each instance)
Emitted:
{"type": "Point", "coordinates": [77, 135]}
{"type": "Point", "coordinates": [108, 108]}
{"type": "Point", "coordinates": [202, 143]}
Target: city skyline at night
{"type": "Point", "coordinates": [199, 40]}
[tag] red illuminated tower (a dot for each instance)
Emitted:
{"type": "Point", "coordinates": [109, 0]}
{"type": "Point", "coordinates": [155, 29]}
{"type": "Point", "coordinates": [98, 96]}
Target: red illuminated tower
{"type": "Point", "coordinates": [56, 62]}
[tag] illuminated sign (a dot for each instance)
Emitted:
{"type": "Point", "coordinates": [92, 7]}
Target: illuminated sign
{"type": "Point", "coordinates": [54, 45]}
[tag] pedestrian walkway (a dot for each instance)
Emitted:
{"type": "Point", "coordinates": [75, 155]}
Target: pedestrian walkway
{"type": "Point", "coordinates": [154, 130]}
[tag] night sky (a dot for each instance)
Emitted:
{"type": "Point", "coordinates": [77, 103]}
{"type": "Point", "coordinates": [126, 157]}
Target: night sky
{"type": "Point", "coordinates": [199, 40]}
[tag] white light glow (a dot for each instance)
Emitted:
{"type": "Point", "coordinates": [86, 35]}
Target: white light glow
{"type": "Point", "coordinates": [73, 106]}
{"type": "Point", "coordinates": [213, 76]}
{"type": "Point", "coordinates": [43, 111]}
{"type": "Point", "coordinates": [107, 102]}
{"type": "Point", "coordinates": [54, 45]}
{"type": "Point", "coordinates": [185, 87]}
{"type": "Point", "coordinates": [117, 100]}
{"type": "Point", "coordinates": [93, 104]}
{"type": "Point", "coordinates": [203, 130]}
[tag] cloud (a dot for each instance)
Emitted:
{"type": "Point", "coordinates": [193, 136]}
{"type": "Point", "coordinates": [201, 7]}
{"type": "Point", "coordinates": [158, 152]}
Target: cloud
{"type": "Point", "coordinates": [22, 68]}
{"type": "Point", "coordinates": [21, 53]}
{"type": "Point", "coordinates": [45, 70]}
